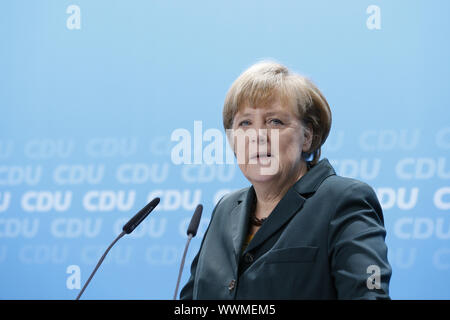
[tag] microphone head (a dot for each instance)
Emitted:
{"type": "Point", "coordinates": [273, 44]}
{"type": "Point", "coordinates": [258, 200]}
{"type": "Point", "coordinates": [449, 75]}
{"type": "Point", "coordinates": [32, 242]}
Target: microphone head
{"type": "Point", "coordinates": [195, 221]}
{"type": "Point", "coordinates": [153, 203]}
{"type": "Point", "coordinates": [140, 216]}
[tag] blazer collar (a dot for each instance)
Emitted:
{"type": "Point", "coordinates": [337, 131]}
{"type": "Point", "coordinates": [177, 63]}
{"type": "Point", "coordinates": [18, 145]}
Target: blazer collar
{"type": "Point", "coordinates": [290, 204]}
{"type": "Point", "coordinates": [314, 177]}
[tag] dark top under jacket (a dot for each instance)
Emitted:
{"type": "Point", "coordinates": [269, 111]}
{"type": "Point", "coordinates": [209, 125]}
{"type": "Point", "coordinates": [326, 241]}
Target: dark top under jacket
{"type": "Point", "coordinates": [320, 242]}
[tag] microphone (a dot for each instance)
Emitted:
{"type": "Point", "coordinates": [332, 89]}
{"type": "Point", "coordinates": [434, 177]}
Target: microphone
{"type": "Point", "coordinates": [191, 232]}
{"type": "Point", "coordinates": [127, 229]}
{"type": "Point", "coordinates": [140, 216]}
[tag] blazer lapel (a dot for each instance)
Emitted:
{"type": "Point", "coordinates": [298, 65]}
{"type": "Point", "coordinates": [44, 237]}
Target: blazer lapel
{"type": "Point", "coordinates": [239, 220]}
{"type": "Point", "coordinates": [283, 212]}
{"type": "Point", "coordinates": [290, 204]}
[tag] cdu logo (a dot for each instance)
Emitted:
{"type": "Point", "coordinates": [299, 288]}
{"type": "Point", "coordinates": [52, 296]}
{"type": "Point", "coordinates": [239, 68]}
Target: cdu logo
{"type": "Point", "coordinates": [15, 227]}
{"type": "Point", "coordinates": [108, 200]}
{"type": "Point", "coordinates": [111, 147]}
{"type": "Point", "coordinates": [138, 173]}
{"type": "Point", "coordinates": [5, 200]}
{"type": "Point", "coordinates": [38, 149]}
{"type": "Point", "coordinates": [77, 174]}
{"type": "Point", "coordinates": [44, 201]}
{"type": "Point", "coordinates": [76, 227]}
{"type": "Point", "coordinates": [16, 175]}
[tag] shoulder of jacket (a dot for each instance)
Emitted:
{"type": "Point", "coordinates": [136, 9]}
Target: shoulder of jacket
{"type": "Point", "coordinates": [233, 197]}
{"type": "Point", "coordinates": [229, 201]}
{"type": "Point", "coordinates": [338, 185]}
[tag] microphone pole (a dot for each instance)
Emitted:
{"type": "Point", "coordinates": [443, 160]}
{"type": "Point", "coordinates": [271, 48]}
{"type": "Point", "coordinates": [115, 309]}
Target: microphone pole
{"type": "Point", "coordinates": [99, 263]}
{"type": "Point", "coordinates": [127, 229]}
{"type": "Point", "coordinates": [191, 232]}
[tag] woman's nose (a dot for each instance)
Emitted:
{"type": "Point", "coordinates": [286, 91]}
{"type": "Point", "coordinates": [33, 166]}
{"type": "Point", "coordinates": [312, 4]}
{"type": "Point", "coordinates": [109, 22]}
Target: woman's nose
{"type": "Point", "coordinates": [260, 136]}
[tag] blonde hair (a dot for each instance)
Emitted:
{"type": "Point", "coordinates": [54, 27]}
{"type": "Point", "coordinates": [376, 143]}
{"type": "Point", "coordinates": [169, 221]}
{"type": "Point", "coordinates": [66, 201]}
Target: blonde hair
{"type": "Point", "coordinates": [266, 81]}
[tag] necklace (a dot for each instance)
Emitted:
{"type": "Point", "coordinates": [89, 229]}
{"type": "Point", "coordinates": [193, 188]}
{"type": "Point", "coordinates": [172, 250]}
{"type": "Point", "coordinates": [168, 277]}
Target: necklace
{"type": "Point", "coordinates": [257, 222]}
{"type": "Point", "coordinates": [253, 219]}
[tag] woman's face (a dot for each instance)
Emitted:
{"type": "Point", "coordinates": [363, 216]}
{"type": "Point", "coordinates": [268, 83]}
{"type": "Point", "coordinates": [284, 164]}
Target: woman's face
{"type": "Point", "coordinates": [268, 142]}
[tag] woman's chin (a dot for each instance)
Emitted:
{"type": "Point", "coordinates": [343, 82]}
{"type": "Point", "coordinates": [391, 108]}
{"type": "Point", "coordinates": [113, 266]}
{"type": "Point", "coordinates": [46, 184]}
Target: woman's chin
{"type": "Point", "coordinates": [257, 175]}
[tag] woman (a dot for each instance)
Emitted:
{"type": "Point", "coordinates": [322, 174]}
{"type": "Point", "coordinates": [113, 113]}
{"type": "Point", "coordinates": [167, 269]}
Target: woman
{"type": "Point", "coordinates": [300, 231]}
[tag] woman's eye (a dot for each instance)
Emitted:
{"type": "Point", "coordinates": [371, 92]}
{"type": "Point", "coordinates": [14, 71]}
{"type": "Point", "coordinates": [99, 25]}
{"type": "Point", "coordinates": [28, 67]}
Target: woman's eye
{"type": "Point", "coordinates": [276, 121]}
{"type": "Point", "coordinates": [244, 123]}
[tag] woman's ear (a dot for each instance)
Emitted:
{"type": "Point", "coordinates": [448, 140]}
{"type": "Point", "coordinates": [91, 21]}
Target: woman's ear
{"type": "Point", "coordinates": [307, 137]}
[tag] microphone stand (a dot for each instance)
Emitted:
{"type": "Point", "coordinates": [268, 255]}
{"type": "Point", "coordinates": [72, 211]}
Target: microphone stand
{"type": "Point", "coordinates": [100, 262]}
{"type": "Point", "coordinates": [127, 229]}
{"type": "Point", "coordinates": [182, 265]}
{"type": "Point", "coordinates": [191, 232]}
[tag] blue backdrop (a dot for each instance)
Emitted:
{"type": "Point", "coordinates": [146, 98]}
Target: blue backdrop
{"type": "Point", "coordinates": [91, 91]}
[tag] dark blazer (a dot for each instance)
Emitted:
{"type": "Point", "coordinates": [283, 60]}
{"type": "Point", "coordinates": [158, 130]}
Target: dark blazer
{"type": "Point", "coordinates": [319, 242]}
